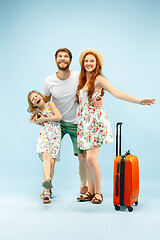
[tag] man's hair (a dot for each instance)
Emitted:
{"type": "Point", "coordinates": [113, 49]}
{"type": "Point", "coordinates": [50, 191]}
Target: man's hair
{"type": "Point", "coordinates": [63, 50]}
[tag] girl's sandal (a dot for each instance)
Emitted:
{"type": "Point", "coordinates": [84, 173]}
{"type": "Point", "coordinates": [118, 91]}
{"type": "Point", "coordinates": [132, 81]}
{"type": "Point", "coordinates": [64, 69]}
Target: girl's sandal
{"type": "Point", "coordinates": [50, 191]}
{"type": "Point", "coordinates": [42, 194]}
{"type": "Point", "coordinates": [96, 200]}
{"type": "Point", "coordinates": [47, 183]}
{"type": "Point", "coordinates": [85, 197]}
{"type": "Point", "coordinates": [46, 198]}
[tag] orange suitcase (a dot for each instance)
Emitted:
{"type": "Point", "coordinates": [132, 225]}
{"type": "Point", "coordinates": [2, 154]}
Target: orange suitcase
{"type": "Point", "coordinates": [126, 177]}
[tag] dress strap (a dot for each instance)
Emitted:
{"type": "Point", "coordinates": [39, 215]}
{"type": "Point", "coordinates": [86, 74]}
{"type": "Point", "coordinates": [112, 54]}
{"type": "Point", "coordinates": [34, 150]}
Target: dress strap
{"type": "Point", "coordinates": [38, 110]}
{"type": "Point", "coordinates": [47, 106]}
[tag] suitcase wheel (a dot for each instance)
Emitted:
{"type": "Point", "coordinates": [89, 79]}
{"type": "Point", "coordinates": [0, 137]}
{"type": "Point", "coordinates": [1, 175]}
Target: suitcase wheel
{"type": "Point", "coordinates": [136, 203]}
{"type": "Point", "coordinates": [130, 209]}
{"type": "Point", "coordinates": [117, 208]}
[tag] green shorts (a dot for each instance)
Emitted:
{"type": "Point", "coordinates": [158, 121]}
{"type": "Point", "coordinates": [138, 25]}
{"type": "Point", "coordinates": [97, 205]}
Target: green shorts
{"type": "Point", "coordinates": [71, 129]}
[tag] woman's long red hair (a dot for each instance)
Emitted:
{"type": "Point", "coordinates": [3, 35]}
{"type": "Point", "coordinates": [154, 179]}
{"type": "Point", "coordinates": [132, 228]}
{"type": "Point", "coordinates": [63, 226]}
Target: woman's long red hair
{"type": "Point", "coordinates": [83, 79]}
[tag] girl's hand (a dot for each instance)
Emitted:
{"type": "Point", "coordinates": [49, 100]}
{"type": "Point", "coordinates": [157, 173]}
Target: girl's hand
{"type": "Point", "coordinates": [42, 119]}
{"type": "Point", "coordinates": [34, 118]}
{"type": "Point", "coordinates": [147, 101]}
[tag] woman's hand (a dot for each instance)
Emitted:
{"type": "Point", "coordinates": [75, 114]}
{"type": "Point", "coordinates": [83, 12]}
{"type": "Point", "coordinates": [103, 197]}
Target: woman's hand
{"type": "Point", "coordinates": [147, 101]}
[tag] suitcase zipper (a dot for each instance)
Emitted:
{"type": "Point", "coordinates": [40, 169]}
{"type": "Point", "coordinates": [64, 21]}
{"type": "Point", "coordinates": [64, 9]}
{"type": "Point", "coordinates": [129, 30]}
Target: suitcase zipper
{"type": "Point", "coordinates": [122, 177]}
{"type": "Point", "coordinates": [117, 180]}
{"type": "Point", "coordinates": [122, 171]}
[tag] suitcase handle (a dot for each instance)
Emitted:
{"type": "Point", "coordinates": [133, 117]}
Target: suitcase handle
{"type": "Point", "coordinates": [118, 143]}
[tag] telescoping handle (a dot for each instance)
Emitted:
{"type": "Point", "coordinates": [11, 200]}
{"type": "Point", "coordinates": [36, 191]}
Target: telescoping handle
{"type": "Point", "coordinates": [118, 143]}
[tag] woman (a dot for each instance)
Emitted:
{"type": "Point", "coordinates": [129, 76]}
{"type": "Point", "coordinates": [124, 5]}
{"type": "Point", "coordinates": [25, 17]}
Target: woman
{"type": "Point", "coordinates": [93, 125]}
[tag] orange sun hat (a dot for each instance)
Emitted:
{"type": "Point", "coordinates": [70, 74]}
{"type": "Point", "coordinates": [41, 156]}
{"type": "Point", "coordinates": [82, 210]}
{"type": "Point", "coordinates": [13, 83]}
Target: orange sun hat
{"type": "Point", "coordinates": [91, 50]}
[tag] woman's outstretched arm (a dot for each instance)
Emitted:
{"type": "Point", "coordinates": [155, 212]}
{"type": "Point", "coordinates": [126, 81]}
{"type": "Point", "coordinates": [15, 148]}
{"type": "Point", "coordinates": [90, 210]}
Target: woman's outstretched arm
{"type": "Point", "coordinates": [104, 83]}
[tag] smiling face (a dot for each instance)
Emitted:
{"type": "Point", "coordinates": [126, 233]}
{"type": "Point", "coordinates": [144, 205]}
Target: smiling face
{"type": "Point", "coordinates": [63, 60]}
{"type": "Point", "coordinates": [36, 99]}
{"type": "Point", "coordinates": [90, 63]}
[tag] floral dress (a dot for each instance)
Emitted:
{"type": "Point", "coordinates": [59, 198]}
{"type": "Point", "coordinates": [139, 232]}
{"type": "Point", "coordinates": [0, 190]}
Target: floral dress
{"type": "Point", "coordinates": [94, 127]}
{"type": "Point", "coordinates": [49, 139]}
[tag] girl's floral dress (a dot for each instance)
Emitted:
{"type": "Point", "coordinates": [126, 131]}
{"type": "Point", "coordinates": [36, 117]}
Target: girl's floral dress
{"type": "Point", "coordinates": [94, 127]}
{"type": "Point", "coordinates": [49, 139]}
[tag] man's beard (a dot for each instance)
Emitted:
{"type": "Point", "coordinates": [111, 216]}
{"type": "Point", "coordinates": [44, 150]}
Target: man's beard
{"type": "Point", "coordinates": [64, 67]}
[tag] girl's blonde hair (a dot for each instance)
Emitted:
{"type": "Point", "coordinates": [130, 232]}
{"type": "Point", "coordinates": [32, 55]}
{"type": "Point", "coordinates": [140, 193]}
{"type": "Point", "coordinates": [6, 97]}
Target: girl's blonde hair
{"type": "Point", "coordinates": [31, 107]}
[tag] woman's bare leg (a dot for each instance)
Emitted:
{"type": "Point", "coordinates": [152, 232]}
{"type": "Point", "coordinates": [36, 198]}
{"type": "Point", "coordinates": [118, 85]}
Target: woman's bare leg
{"type": "Point", "coordinates": [82, 169]}
{"type": "Point", "coordinates": [90, 181]}
{"type": "Point", "coordinates": [94, 170]}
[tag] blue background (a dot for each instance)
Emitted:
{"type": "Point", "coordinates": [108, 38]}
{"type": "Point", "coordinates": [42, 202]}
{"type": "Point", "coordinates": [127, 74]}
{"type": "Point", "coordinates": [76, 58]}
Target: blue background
{"type": "Point", "coordinates": [127, 34]}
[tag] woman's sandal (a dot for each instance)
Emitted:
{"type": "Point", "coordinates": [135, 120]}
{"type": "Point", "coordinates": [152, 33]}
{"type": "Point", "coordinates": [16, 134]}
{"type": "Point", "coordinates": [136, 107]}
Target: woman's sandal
{"type": "Point", "coordinates": [46, 198]}
{"type": "Point", "coordinates": [88, 197]}
{"type": "Point", "coordinates": [83, 189]}
{"type": "Point", "coordinates": [96, 200]}
{"type": "Point", "coordinates": [47, 183]}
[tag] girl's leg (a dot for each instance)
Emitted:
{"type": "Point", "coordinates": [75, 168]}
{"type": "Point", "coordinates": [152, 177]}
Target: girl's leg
{"type": "Point", "coordinates": [47, 170]}
{"type": "Point", "coordinates": [46, 165]}
{"type": "Point", "coordinates": [52, 167]}
{"type": "Point", "coordinates": [94, 170]}
{"type": "Point", "coordinates": [52, 170]}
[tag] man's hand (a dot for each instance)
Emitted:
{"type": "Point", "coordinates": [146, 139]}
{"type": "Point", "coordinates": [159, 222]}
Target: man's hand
{"type": "Point", "coordinates": [98, 103]}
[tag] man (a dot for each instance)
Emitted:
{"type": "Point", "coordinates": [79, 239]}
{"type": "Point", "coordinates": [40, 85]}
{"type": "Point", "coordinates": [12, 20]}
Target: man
{"type": "Point", "coordinates": [62, 87]}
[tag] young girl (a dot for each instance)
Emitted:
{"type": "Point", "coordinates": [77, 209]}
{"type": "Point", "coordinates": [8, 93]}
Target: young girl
{"type": "Point", "coordinates": [48, 146]}
{"type": "Point", "coordinates": [93, 125]}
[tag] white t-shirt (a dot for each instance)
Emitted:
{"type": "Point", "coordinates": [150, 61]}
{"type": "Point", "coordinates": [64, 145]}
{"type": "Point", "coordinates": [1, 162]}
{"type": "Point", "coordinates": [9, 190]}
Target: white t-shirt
{"type": "Point", "coordinates": [63, 94]}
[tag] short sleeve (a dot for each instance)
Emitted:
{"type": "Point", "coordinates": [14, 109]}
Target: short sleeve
{"type": "Point", "coordinates": [46, 91]}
